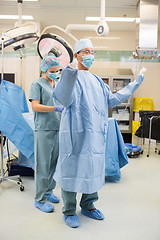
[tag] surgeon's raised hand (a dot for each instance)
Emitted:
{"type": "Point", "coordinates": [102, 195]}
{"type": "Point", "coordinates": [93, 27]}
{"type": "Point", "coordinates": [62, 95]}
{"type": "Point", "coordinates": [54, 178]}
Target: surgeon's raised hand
{"type": "Point", "coordinates": [73, 64]}
{"type": "Point", "coordinates": [140, 76]}
{"type": "Point", "coordinates": [58, 108]}
{"type": "Point", "coordinates": [142, 71]}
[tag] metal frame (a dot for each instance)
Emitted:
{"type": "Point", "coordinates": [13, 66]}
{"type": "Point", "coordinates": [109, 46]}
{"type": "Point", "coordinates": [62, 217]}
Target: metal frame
{"type": "Point", "coordinates": [150, 132]}
{"type": "Point", "coordinates": [130, 99]}
{"type": "Point", "coordinates": [2, 177]}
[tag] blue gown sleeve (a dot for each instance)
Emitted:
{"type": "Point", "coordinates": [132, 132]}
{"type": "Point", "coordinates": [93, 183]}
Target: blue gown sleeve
{"type": "Point", "coordinates": [123, 94]}
{"type": "Point", "coordinates": [64, 89]}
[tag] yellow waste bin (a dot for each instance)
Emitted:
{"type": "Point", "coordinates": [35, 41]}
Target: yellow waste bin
{"type": "Point", "coordinates": [135, 126]}
{"type": "Point", "coordinates": [143, 104]}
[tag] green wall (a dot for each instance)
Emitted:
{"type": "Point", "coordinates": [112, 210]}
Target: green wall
{"type": "Point", "coordinates": [101, 55]}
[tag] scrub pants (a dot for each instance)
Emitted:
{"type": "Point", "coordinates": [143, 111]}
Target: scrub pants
{"type": "Point", "coordinates": [69, 200]}
{"type": "Point", "coordinates": [46, 150]}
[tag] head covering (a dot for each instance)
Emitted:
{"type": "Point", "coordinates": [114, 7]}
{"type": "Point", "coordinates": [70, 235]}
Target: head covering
{"type": "Point", "coordinates": [48, 62]}
{"type": "Point", "coordinates": [81, 44]}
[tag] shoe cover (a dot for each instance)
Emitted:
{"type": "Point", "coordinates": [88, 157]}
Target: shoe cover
{"type": "Point", "coordinates": [72, 221]}
{"type": "Point", "coordinates": [44, 207]}
{"type": "Point", "coordinates": [52, 198]}
{"type": "Point", "coordinates": [95, 214]}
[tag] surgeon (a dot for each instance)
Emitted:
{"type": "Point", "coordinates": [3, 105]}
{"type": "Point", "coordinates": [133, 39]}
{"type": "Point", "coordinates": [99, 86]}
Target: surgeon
{"type": "Point", "coordinates": [83, 130]}
{"type": "Point", "coordinates": [47, 114]}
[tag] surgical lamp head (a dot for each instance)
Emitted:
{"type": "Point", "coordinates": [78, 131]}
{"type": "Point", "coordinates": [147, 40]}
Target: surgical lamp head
{"type": "Point", "coordinates": [82, 44]}
{"type": "Point", "coordinates": [49, 62]}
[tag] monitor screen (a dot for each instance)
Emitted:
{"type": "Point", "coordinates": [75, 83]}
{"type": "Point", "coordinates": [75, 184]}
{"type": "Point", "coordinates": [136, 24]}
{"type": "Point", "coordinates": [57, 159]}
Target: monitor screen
{"type": "Point", "coordinates": [8, 77]}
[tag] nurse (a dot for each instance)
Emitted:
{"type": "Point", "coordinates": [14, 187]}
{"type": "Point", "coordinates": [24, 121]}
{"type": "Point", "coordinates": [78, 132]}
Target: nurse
{"type": "Point", "coordinates": [81, 163]}
{"type": "Point", "coordinates": [47, 114]}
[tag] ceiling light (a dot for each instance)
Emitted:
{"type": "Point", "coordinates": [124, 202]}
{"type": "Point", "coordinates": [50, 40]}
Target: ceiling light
{"type": "Point", "coordinates": [108, 38]}
{"type": "Point", "coordinates": [23, 0]}
{"type": "Point", "coordinates": [24, 17]}
{"type": "Point", "coordinates": [113, 19]}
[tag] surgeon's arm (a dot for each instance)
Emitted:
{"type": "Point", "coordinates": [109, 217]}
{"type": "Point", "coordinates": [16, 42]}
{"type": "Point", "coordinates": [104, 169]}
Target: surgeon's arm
{"type": "Point", "coordinates": [125, 93]}
{"type": "Point", "coordinates": [64, 89]}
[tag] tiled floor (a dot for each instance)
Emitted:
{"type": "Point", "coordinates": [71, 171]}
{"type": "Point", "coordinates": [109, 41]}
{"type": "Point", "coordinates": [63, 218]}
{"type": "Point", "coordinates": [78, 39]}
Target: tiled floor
{"type": "Point", "coordinates": [131, 208]}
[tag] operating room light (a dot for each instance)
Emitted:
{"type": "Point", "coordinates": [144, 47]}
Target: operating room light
{"type": "Point", "coordinates": [24, 17]}
{"type": "Point", "coordinates": [113, 19]}
{"type": "Point", "coordinates": [25, 0]}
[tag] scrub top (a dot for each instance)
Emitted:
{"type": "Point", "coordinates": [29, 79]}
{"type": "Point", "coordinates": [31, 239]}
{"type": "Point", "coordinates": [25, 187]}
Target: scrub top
{"type": "Point", "coordinates": [42, 91]}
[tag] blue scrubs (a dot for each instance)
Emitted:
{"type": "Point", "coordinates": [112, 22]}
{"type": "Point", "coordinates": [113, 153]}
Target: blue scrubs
{"type": "Point", "coordinates": [46, 139]}
{"type": "Point", "coordinates": [83, 129]}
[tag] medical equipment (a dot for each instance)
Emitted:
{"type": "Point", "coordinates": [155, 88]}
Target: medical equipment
{"type": "Point", "coordinates": [133, 150]}
{"type": "Point", "coordinates": [150, 132]}
{"type": "Point", "coordinates": [2, 177]}
{"type": "Point", "coordinates": [16, 39]}
{"type": "Point", "coordinates": [150, 127]}
{"type": "Point", "coordinates": [148, 30]}
{"type": "Point", "coordinates": [56, 41]}
{"type": "Point", "coordinates": [21, 35]}
{"type": "Point", "coordinates": [61, 42]}
{"type": "Point", "coordinates": [101, 28]}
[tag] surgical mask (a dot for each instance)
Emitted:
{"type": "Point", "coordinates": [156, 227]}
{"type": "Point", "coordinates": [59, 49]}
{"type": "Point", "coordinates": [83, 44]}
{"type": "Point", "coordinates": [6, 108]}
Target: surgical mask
{"type": "Point", "coordinates": [53, 76]}
{"type": "Point", "coordinates": [87, 61]}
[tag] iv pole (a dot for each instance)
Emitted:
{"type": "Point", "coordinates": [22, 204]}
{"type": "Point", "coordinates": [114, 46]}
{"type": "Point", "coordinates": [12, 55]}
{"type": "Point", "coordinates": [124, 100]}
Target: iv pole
{"type": "Point", "coordinates": [2, 170]}
{"type": "Point", "coordinates": [19, 48]}
{"type": "Point", "coordinates": [2, 177]}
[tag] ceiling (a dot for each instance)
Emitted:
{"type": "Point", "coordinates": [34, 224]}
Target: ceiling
{"type": "Point", "coordinates": [64, 12]}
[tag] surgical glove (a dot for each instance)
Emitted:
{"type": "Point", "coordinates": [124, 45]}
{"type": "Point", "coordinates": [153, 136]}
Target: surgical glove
{"type": "Point", "coordinates": [143, 70]}
{"type": "Point", "coordinates": [140, 78]}
{"type": "Point", "coordinates": [58, 108]}
{"type": "Point", "coordinates": [73, 64]}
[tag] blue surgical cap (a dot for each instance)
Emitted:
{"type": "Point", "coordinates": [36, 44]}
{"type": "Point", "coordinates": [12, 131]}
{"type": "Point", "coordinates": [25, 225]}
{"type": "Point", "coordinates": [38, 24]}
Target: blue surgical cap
{"type": "Point", "coordinates": [81, 44]}
{"type": "Point", "coordinates": [48, 62]}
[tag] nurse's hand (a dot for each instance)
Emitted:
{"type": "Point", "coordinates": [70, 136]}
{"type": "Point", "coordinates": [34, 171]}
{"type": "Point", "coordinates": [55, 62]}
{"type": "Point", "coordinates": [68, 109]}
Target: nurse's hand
{"type": "Point", "coordinates": [73, 64]}
{"type": "Point", "coordinates": [58, 108]}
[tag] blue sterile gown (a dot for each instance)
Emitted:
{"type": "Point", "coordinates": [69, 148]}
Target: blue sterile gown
{"type": "Point", "coordinates": [115, 152]}
{"type": "Point", "coordinates": [83, 128]}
